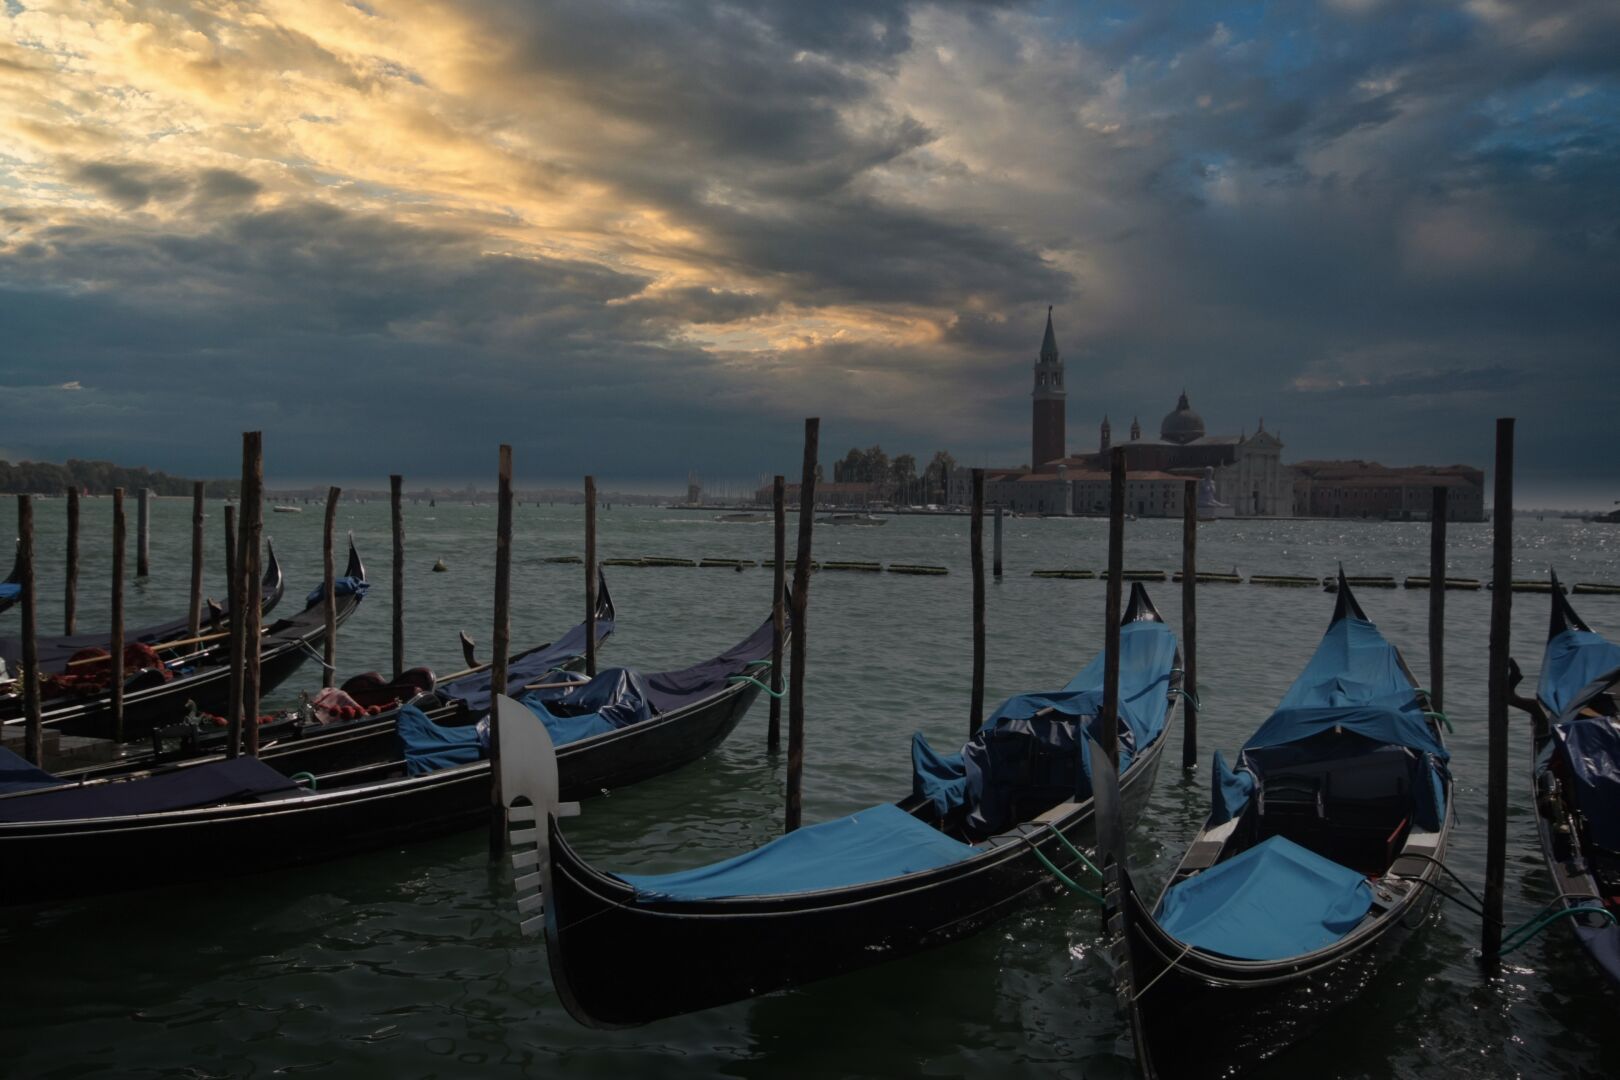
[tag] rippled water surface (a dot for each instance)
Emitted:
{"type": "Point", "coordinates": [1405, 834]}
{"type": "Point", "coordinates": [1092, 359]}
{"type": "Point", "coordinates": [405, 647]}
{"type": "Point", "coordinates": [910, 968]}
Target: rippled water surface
{"type": "Point", "coordinates": [408, 962]}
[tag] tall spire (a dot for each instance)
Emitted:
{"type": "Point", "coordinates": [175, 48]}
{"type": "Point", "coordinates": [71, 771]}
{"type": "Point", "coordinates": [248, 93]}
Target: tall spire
{"type": "Point", "coordinates": [1049, 442]}
{"type": "Point", "coordinates": [1049, 350]}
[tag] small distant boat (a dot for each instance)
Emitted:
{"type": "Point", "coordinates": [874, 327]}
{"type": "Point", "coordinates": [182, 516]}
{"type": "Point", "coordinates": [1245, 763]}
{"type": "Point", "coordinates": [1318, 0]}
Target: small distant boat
{"type": "Point", "coordinates": [288, 509]}
{"type": "Point", "coordinates": [742, 519]}
{"type": "Point", "coordinates": [851, 519]}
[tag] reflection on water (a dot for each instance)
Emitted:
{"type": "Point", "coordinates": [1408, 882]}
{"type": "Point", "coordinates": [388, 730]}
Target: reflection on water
{"type": "Point", "coordinates": [408, 962]}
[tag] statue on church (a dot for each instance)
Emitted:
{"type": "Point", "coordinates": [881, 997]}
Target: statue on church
{"type": "Point", "coordinates": [1209, 507]}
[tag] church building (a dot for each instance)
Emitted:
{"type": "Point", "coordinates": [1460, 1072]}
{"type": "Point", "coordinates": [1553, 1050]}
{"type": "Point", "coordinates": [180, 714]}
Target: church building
{"type": "Point", "coordinates": [1051, 405]}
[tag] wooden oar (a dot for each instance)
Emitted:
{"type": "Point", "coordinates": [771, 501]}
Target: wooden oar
{"type": "Point", "coordinates": [161, 647]}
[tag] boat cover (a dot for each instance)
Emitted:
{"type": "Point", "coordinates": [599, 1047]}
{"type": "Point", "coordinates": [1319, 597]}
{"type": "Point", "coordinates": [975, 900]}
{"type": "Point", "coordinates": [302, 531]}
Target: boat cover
{"type": "Point", "coordinates": [16, 774]}
{"type": "Point", "coordinates": [10, 590]}
{"type": "Point", "coordinates": [872, 845]}
{"type": "Point", "coordinates": [1574, 660]}
{"type": "Point", "coordinates": [343, 586]}
{"type": "Point", "coordinates": [428, 747]}
{"type": "Point", "coordinates": [1027, 749]}
{"type": "Point", "coordinates": [1355, 681]}
{"type": "Point", "coordinates": [1230, 791]}
{"type": "Point", "coordinates": [1275, 900]}
{"type": "Point", "coordinates": [671, 690]}
{"type": "Point", "coordinates": [616, 698]}
{"type": "Point", "coordinates": [1591, 747]}
{"type": "Point", "coordinates": [531, 667]}
{"type": "Point", "coordinates": [197, 785]}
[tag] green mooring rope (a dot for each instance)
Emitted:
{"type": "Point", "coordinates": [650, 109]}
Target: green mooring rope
{"type": "Point", "coordinates": [1189, 695]}
{"type": "Point", "coordinates": [750, 679]}
{"type": "Point", "coordinates": [1535, 926]}
{"type": "Point", "coordinates": [297, 776]}
{"type": "Point", "coordinates": [1064, 840]}
{"type": "Point", "coordinates": [1440, 716]}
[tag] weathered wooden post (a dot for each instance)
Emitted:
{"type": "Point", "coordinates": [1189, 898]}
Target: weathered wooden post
{"type": "Point", "coordinates": [996, 563]}
{"type": "Point", "coordinates": [1108, 721]}
{"type": "Point", "coordinates": [1189, 625]}
{"type": "Point", "coordinates": [329, 590]}
{"type": "Point", "coordinates": [252, 595]}
{"type": "Point", "coordinates": [976, 551]}
{"type": "Point", "coordinates": [801, 599]}
{"type": "Point", "coordinates": [233, 592]}
{"type": "Point", "coordinates": [590, 575]}
{"type": "Point", "coordinates": [116, 646]}
{"type": "Point", "coordinates": [34, 732]}
{"type": "Point", "coordinates": [1437, 601]}
{"type": "Point", "coordinates": [194, 609]}
{"type": "Point", "coordinates": [396, 484]}
{"type": "Point", "coordinates": [502, 646]}
{"type": "Point", "coordinates": [143, 529]}
{"type": "Point", "coordinates": [1497, 702]}
{"type": "Point", "coordinates": [70, 592]}
{"type": "Point", "coordinates": [773, 733]}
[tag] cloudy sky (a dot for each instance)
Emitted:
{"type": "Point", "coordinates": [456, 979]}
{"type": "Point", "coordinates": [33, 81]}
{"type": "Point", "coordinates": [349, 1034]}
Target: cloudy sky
{"type": "Point", "coordinates": [643, 238]}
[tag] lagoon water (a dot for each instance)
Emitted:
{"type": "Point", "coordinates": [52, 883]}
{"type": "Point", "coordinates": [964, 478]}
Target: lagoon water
{"type": "Point", "coordinates": [408, 962]}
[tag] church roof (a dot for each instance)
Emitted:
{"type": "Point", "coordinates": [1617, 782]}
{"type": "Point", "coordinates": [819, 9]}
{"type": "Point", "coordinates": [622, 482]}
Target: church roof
{"type": "Point", "coordinates": [1182, 424]}
{"type": "Point", "coordinates": [1049, 349]}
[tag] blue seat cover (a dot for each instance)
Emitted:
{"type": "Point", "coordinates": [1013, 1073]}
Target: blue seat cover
{"type": "Point", "coordinates": [343, 586]}
{"type": "Point", "coordinates": [197, 785]}
{"type": "Point", "coordinates": [1591, 746]}
{"type": "Point", "coordinates": [872, 845]}
{"type": "Point", "coordinates": [1273, 901]}
{"type": "Point", "coordinates": [10, 590]}
{"type": "Point", "coordinates": [16, 774]}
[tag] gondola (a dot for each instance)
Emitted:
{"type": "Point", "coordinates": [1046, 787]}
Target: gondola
{"type": "Point", "coordinates": [11, 588]}
{"type": "Point", "coordinates": [318, 740]}
{"type": "Point", "coordinates": [215, 818]}
{"type": "Point", "coordinates": [55, 653]}
{"type": "Point", "coordinates": [960, 852]}
{"type": "Point", "coordinates": [1575, 774]}
{"type": "Point", "coordinates": [157, 691]}
{"type": "Point", "coordinates": [1319, 858]}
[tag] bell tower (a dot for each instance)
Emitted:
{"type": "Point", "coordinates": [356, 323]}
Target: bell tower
{"type": "Point", "coordinates": [1050, 405]}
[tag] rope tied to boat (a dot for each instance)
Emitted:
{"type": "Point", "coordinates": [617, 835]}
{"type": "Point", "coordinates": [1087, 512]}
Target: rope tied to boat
{"type": "Point", "coordinates": [779, 694]}
{"type": "Point", "coordinates": [1530, 929]}
{"type": "Point", "coordinates": [299, 777]}
{"type": "Point", "coordinates": [1189, 695]}
{"type": "Point", "coordinates": [313, 655]}
{"type": "Point", "coordinates": [1440, 716]}
{"type": "Point", "coordinates": [1069, 882]}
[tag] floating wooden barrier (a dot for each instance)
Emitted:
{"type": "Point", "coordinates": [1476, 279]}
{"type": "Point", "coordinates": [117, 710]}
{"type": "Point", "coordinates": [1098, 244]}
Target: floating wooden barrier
{"type": "Point", "coordinates": [1071, 575]}
{"type": "Point", "coordinates": [908, 568]}
{"type": "Point", "coordinates": [1211, 578]}
{"type": "Point", "coordinates": [665, 560]}
{"type": "Point", "coordinates": [571, 559]}
{"type": "Point", "coordinates": [728, 563]}
{"type": "Point", "coordinates": [1534, 586]}
{"type": "Point", "coordinates": [1596, 588]}
{"type": "Point", "coordinates": [861, 567]}
{"type": "Point", "coordinates": [624, 562]}
{"type": "Point", "coordinates": [1330, 584]}
{"type": "Point", "coordinates": [1144, 575]}
{"type": "Point", "coordinates": [1286, 581]}
{"type": "Point", "coordinates": [1466, 583]}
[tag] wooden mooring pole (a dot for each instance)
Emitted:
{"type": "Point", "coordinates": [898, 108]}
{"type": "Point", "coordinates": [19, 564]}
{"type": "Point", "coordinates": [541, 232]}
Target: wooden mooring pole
{"type": "Point", "coordinates": [143, 533]}
{"type": "Point", "coordinates": [801, 600]}
{"type": "Point", "coordinates": [252, 594]}
{"type": "Point", "coordinates": [194, 607]}
{"type": "Point", "coordinates": [590, 575]}
{"type": "Point", "coordinates": [396, 509]}
{"type": "Point", "coordinates": [329, 590]}
{"type": "Point", "coordinates": [502, 645]}
{"type": "Point", "coordinates": [1437, 601]}
{"type": "Point", "coordinates": [773, 731]}
{"type": "Point", "coordinates": [1497, 701]}
{"type": "Point", "coordinates": [1189, 625]}
{"type": "Point", "coordinates": [1108, 720]}
{"type": "Point", "coordinates": [70, 591]}
{"type": "Point", "coordinates": [34, 731]}
{"type": "Point", "coordinates": [976, 552]}
{"type": "Point", "coordinates": [116, 646]}
{"type": "Point", "coordinates": [233, 592]}
{"type": "Point", "coordinates": [996, 563]}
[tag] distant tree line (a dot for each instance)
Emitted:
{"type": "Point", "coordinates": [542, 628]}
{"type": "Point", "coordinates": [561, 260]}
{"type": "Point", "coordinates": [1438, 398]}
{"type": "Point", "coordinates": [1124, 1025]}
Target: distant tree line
{"type": "Point", "coordinates": [898, 476]}
{"type": "Point", "coordinates": [97, 478]}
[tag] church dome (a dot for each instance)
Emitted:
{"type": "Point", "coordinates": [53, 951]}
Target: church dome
{"type": "Point", "coordinates": [1183, 425]}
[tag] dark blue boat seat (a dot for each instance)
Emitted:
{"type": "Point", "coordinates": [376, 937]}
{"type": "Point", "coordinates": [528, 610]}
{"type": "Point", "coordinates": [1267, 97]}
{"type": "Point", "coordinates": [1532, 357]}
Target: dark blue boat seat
{"type": "Point", "coordinates": [16, 774]}
{"type": "Point", "coordinates": [237, 780]}
{"type": "Point", "coordinates": [872, 845]}
{"type": "Point", "coordinates": [1590, 749]}
{"type": "Point", "coordinates": [1275, 900]}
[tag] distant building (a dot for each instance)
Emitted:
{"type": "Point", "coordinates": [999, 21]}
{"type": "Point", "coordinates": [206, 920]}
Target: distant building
{"type": "Point", "coordinates": [1366, 489]}
{"type": "Point", "coordinates": [827, 494]}
{"type": "Point", "coordinates": [1147, 494]}
{"type": "Point", "coordinates": [1051, 404]}
{"type": "Point", "coordinates": [1031, 492]}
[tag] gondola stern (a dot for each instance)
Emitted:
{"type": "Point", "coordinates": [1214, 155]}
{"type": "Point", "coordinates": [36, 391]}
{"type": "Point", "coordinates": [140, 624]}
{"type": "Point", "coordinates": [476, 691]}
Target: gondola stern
{"type": "Point", "coordinates": [356, 568]}
{"type": "Point", "coordinates": [1140, 608]}
{"type": "Point", "coordinates": [274, 582]}
{"type": "Point", "coordinates": [1563, 613]}
{"type": "Point", "coordinates": [1346, 606]}
{"type": "Point", "coordinates": [605, 611]}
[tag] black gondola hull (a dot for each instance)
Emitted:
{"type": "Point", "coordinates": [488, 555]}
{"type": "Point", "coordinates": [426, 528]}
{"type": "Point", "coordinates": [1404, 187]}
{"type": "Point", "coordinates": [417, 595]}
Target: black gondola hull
{"type": "Point", "coordinates": [617, 962]}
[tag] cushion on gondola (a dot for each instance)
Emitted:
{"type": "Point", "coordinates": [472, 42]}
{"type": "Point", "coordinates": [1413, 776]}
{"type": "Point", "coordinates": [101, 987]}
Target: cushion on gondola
{"type": "Point", "coordinates": [16, 774]}
{"type": "Point", "coordinates": [1273, 901]}
{"type": "Point", "coordinates": [615, 698]}
{"type": "Point", "coordinates": [1574, 660]}
{"type": "Point", "coordinates": [873, 845]}
{"type": "Point", "coordinates": [343, 586]}
{"type": "Point", "coordinates": [428, 747]}
{"type": "Point", "coordinates": [217, 782]}
{"type": "Point", "coordinates": [1591, 749]}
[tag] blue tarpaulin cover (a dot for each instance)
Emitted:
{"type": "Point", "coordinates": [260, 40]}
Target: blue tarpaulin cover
{"type": "Point", "coordinates": [616, 698]}
{"type": "Point", "coordinates": [941, 778]}
{"type": "Point", "coordinates": [16, 774]}
{"type": "Point", "coordinates": [875, 844]}
{"type": "Point", "coordinates": [428, 747]}
{"type": "Point", "coordinates": [1591, 746]}
{"type": "Point", "coordinates": [10, 590]}
{"type": "Point", "coordinates": [343, 586]}
{"type": "Point", "coordinates": [1231, 791]}
{"type": "Point", "coordinates": [196, 785]}
{"type": "Point", "coordinates": [1573, 661]}
{"type": "Point", "coordinates": [1275, 900]}
{"type": "Point", "coordinates": [531, 667]}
